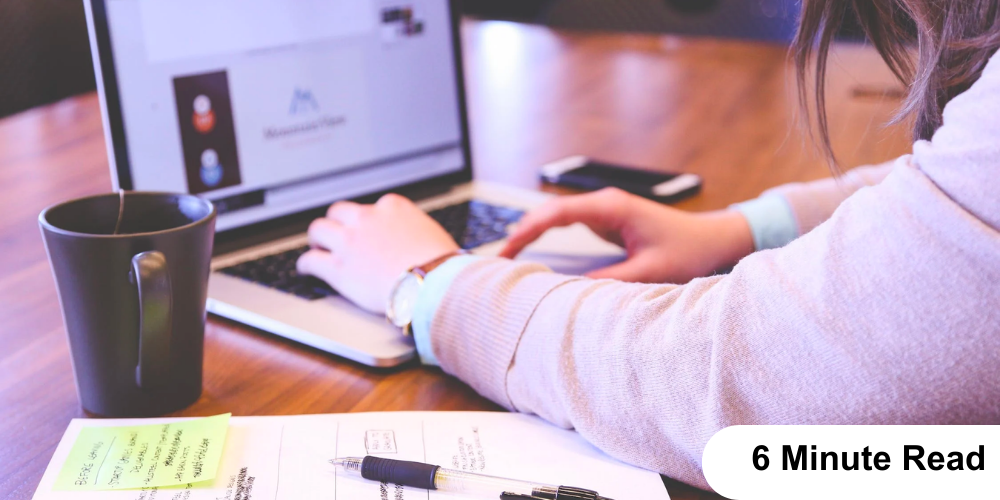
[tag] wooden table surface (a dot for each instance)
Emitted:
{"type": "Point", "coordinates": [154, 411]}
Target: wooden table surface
{"type": "Point", "coordinates": [721, 109]}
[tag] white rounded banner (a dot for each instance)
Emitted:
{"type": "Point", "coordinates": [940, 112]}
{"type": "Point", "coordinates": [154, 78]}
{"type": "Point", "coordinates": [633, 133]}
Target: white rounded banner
{"type": "Point", "coordinates": [751, 462]}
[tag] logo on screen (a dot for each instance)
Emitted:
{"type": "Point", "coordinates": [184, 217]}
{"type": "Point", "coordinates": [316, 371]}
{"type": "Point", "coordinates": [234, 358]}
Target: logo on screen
{"type": "Point", "coordinates": [303, 101]}
{"type": "Point", "coordinates": [204, 117]}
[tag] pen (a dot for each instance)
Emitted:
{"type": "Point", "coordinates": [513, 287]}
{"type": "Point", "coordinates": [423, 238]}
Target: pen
{"type": "Point", "coordinates": [434, 477]}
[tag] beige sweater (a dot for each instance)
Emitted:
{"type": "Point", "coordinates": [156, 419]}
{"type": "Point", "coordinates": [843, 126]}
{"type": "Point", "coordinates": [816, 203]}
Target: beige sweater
{"type": "Point", "coordinates": [884, 312]}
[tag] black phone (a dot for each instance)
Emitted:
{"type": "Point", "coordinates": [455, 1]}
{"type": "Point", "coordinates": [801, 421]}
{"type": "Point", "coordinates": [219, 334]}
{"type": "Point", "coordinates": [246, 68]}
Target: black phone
{"type": "Point", "coordinates": [581, 172]}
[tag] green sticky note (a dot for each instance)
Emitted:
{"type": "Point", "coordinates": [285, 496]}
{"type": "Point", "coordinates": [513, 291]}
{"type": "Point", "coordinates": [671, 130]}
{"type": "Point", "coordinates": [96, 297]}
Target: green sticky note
{"type": "Point", "coordinates": [144, 456]}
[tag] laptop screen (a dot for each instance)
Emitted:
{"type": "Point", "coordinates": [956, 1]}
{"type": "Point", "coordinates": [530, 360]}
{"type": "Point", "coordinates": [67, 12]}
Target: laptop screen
{"type": "Point", "coordinates": [270, 107]}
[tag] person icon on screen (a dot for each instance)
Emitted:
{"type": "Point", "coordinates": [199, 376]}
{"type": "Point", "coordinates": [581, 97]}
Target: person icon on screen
{"type": "Point", "coordinates": [211, 171]}
{"type": "Point", "coordinates": [204, 117]}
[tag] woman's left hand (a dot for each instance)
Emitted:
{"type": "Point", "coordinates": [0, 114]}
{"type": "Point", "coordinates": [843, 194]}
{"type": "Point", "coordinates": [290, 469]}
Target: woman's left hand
{"type": "Point", "coordinates": [360, 250]}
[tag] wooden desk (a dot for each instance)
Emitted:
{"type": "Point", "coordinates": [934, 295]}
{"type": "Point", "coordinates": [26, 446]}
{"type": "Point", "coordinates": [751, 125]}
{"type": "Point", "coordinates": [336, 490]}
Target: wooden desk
{"type": "Point", "coordinates": [716, 108]}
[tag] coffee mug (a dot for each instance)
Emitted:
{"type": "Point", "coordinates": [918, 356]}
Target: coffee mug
{"type": "Point", "coordinates": [132, 272]}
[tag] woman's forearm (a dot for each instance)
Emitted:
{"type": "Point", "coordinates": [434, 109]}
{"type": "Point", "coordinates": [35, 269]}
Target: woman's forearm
{"type": "Point", "coordinates": [814, 202]}
{"type": "Point", "coordinates": [806, 334]}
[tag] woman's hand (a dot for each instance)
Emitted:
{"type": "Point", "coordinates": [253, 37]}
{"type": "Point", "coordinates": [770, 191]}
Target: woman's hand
{"type": "Point", "coordinates": [360, 250]}
{"type": "Point", "coordinates": [664, 245]}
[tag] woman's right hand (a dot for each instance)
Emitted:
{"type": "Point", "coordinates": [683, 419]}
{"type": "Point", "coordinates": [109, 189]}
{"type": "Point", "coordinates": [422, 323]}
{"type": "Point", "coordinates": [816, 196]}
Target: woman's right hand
{"type": "Point", "coordinates": [664, 245]}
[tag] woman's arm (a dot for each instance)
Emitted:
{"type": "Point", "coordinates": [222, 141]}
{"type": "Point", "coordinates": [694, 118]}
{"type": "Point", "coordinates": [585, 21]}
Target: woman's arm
{"type": "Point", "coordinates": [666, 245]}
{"type": "Point", "coordinates": [812, 203]}
{"type": "Point", "coordinates": [883, 314]}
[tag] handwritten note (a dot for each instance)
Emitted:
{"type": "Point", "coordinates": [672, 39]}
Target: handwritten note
{"type": "Point", "coordinates": [377, 442]}
{"type": "Point", "coordinates": [144, 456]}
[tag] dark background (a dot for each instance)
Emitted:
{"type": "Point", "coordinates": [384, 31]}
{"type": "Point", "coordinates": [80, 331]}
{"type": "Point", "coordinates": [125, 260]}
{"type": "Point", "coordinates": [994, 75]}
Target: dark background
{"type": "Point", "coordinates": [44, 53]}
{"type": "Point", "coordinates": [45, 50]}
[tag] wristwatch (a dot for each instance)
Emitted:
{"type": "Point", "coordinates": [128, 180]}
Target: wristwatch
{"type": "Point", "coordinates": [403, 298]}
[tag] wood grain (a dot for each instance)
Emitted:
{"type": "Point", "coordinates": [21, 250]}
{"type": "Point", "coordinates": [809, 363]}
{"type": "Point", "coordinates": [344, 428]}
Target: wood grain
{"type": "Point", "coordinates": [720, 109]}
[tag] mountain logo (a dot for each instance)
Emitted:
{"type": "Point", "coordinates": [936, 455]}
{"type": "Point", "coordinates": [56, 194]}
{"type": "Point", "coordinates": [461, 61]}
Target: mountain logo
{"type": "Point", "coordinates": [303, 101]}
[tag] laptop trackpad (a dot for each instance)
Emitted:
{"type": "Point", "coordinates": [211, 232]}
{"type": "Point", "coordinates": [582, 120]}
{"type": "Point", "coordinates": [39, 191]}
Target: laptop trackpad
{"type": "Point", "coordinates": [573, 249]}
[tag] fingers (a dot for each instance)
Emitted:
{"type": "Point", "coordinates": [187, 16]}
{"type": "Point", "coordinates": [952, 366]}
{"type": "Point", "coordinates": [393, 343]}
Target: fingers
{"type": "Point", "coordinates": [599, 210]}
{"type": "Point", "coordinates": [346, 212]}
{"type": "Point", "coordinates": [321, 264]}
{"type": "Point", "coordinates": [393, 200]}
{"type": "Point", "coordinates": [349, 213]}
{"type": "Point", "coordinates": [554, 213]}
{"type": "Point", "coordinates": [332, 232]}
{"type": "Point", "coordinates": [326, 233]}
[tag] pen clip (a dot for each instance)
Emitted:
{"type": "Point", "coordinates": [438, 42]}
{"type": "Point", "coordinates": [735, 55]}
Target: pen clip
{"type": "Point", "coordinates": [573, 493]}
{"type": "Point", "coordinates": [562, 493]}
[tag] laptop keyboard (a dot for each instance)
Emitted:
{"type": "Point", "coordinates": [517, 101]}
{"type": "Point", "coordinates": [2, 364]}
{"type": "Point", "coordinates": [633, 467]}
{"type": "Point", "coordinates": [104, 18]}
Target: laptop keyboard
{"type": "Point", "coordinates": [472, 224]}
{"type": "Point", "coordinates": [278, 271]}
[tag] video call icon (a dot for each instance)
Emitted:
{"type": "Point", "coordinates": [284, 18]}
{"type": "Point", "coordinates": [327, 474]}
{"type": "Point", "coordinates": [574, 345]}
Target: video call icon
{"type": "Point", "coordinates": [211, 170]}
{"type": "Point", "coordinates": [203, 118]}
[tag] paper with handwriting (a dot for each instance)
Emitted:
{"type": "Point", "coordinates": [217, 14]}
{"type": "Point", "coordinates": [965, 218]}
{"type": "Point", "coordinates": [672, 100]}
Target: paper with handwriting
{"type": "Point", "coordinates": [137, 456]}
{"type": "Point", "coordinates": [285, 458]}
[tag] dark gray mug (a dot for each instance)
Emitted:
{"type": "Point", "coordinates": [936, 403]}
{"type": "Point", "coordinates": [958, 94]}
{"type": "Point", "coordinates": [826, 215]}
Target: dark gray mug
{"type": "Point", "coordinates": [133, 302]}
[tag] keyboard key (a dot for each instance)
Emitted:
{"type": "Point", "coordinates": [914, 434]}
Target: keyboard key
{"type": "Point", "coordinates": [278, 271]}
{"type": "Point", "coordinates": [474, 223]}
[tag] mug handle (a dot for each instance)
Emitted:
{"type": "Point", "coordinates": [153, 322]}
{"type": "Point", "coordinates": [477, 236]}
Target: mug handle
{"type": "Point", "coordinates": [149, 270]}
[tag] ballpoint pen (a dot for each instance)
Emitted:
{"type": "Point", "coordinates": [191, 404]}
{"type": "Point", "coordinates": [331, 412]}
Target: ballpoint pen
{"type": "Point", "coordinates": [434, 477]}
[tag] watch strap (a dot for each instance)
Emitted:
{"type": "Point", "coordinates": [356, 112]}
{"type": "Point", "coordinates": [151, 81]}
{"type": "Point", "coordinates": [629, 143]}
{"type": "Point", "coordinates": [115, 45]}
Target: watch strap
{"type": "Point", "coordinates": [424, 269]}
{"type": "Point", "coordinates": [421, 272]}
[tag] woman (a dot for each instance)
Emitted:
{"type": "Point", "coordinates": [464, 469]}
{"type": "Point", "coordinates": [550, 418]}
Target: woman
{"type": "Point", "coordinates": [879, 307]}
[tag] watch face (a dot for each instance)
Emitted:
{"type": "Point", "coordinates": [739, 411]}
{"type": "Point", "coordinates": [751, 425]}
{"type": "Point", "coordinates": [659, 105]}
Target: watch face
{"type": "Point", "coordinates": [405, 299]}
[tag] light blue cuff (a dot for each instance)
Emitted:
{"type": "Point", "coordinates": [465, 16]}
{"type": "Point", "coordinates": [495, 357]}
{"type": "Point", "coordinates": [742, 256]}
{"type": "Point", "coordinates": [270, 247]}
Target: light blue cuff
{"type": "Point", "coordinates": [771, 220]}
{"type": "Point", "coordinates": [436, 285]}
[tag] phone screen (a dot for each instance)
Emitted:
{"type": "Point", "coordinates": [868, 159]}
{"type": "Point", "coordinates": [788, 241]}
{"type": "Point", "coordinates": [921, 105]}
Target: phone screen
{"type": "Point", "coordinates": [592, 175]}
{"type": "Point", "coordinates": [612, 175]}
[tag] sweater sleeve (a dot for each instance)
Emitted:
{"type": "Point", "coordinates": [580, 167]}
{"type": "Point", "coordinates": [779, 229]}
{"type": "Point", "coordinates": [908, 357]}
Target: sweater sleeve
{"type": "Point", "coordinates": [772, 223]}
{"type": "Point", "coordinates": [883, 314]}
{"type": "Point", "coordinates": [814, 202]}
{"type": "Point", "coordinates": [784, 213]}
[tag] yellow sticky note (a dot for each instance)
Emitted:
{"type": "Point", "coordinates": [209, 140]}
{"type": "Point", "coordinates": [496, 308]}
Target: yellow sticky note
{"type": "Point", "coordinates": [144, 456]}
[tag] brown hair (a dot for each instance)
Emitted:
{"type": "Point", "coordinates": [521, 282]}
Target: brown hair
{"type": "Point", "coordinates": [953, 40]}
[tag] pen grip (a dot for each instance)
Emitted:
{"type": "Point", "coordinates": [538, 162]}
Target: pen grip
{"type": "Point", "coordinates": [401, 472]}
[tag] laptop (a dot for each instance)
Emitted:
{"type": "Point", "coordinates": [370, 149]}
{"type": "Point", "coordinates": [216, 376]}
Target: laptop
{"type": "Point", "coordinates": [273, 110]}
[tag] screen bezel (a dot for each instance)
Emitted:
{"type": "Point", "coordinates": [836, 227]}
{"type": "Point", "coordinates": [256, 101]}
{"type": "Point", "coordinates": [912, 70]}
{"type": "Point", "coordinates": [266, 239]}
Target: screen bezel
{"type": "Point", "coordinates": [118, 151]}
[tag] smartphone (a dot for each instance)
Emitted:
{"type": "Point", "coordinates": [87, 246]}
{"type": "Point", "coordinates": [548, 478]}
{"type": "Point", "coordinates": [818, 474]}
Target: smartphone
{"type": "Point", "coordinates": [581, 172]}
